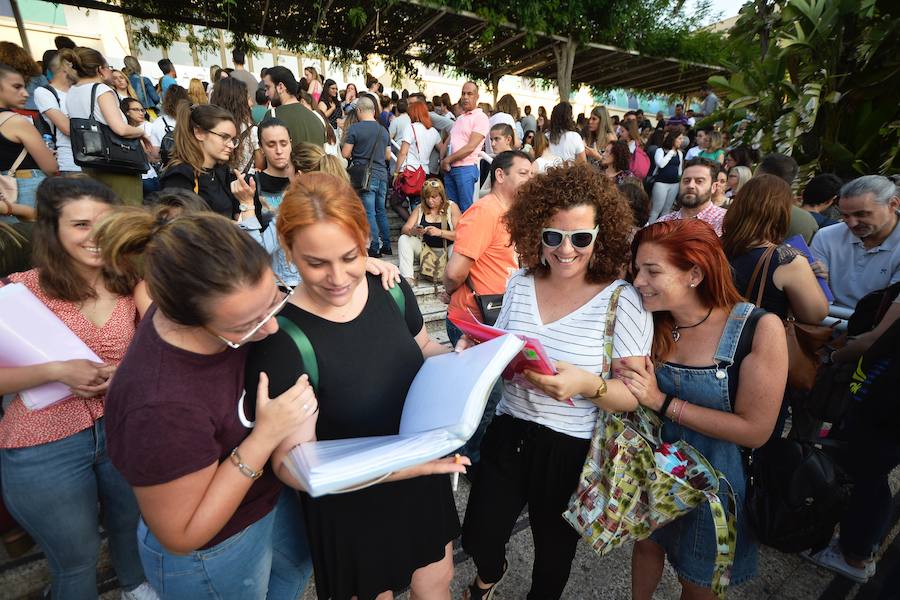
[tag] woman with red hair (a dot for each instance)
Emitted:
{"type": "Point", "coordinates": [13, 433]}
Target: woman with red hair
{"type": "Point", "coordinates": [716, 378]}
{"type": "Point", "coordinates": [398, 533]}
{"type": "Point", "coordinates": [417, 144]}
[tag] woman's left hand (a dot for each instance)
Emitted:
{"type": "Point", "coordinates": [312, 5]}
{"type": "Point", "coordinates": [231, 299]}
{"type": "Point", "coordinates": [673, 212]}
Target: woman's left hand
{"type": "Point", "coordinates": [432, 231]}
{"type": "Point", "coordinates": [569, 381]}
{"type": "Point", "coordinates": [639, 376]}
{"type": "Point", "coordinates": [390, 274]}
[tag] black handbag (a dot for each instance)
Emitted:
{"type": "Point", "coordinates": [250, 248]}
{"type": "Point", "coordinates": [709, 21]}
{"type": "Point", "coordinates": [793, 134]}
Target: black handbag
{"type": "Point", "coordinates": [96, 146]}
{"type": "Point", "coordinates": [794, 495]}
{"type": "Point", "coordinates": [361, 173]}
{"type": "Point", "coordinates": [488, 304]}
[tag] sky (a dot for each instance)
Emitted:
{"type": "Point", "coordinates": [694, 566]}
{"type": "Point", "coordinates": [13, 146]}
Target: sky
{"type": "Point", "coordinates": [727, 8]}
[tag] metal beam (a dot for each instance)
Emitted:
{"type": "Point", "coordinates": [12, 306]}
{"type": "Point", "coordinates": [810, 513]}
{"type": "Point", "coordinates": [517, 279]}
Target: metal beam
{"type": "Point", "coordinates": [669, 76]}
{"type": "Point", "coordinates": [517, 63]}
{"type": "Point", "coordinates": [535, 65]}
{"type": "Point", "coordinates": [611, 65]}
{"type": "Point", "coordinates": [419, 32]}
{"type": "Point", "coordinates": [654, 71]}
{"type": "Point", "coordinates": [582, 67]}
{"type": "Point", "coordinates": [493, 49]}
{"type": "Point", "coordinates": [14, 5]}
{"type": "Point", "coordinates": [477, 28]}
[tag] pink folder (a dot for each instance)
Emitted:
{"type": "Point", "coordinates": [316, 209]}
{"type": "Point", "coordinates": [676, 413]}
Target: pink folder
{"type": "Point", "coordinates": [532, 357]}
{"type": "Point", "coordinates": [30, 334]}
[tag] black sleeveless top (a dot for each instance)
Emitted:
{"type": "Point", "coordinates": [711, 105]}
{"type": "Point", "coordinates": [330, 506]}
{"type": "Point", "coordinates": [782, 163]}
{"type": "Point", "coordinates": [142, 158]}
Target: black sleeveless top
{"type": "Point", "coordinates": [432, 241]}
{"type": "Point", "coordinates": [10, 150]}
{"type": "Point", "coordinates": [773, 299]}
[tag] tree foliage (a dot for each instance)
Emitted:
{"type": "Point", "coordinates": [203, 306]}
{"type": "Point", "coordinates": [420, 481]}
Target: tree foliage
{"type": "Point", "coordinates": [817, 79]}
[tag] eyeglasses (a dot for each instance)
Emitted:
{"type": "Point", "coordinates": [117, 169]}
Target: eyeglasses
{"type": "Point", "coordinates": [229, 140]}
{"type": "Point", "coordinates": [580, 238]}
{"type": "Point", "coordinates": [246, 337]}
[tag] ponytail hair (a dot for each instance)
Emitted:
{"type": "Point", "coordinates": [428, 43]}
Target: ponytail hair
{"type": "Point", "coordinates": [310, 158]}
{"type": "Point", "coordinates": [187, 148]}
{"type": "Point", "coordinates": [187, 260]}
{"type": "Point", "coordinates": [86, 61]}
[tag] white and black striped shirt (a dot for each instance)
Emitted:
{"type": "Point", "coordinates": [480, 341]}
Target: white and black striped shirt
{"type": "Point", "coordinates": [576, 338]}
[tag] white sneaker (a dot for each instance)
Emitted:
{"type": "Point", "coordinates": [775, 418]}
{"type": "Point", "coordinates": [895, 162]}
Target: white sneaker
{"type": "Point", "coordinates": [141, 592]}
{"type": "Point", "coordinates": [832, 559]}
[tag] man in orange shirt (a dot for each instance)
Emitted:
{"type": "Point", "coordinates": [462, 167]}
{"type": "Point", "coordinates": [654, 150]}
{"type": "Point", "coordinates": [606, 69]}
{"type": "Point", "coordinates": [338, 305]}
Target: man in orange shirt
{"type": "Point", "coordinates": [483, 254]}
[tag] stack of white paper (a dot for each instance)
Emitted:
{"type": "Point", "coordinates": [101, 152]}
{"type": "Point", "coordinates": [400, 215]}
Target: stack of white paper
{"type": "Point", "coordinates": [30, 334]}
{"type": "Point", "coordinates": [443, 408]}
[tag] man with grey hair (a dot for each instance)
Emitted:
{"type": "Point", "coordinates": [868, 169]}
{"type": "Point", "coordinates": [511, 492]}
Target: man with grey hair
{"type": "Point", "coordinates": [862, 254]}
{"type": "Point", "coordinates": [367, 138]}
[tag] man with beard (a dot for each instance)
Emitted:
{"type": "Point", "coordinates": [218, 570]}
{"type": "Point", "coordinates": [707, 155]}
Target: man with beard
{"type": "Point", "coordinates": [696, 192]}
{"type": "Point", "coordinates": [862, 254]}
{"type": "Point", "coordinates": [282, 89]}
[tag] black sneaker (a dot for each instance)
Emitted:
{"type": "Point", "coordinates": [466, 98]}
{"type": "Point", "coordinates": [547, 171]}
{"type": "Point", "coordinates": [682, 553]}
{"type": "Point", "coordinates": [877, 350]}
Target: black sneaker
{"type": "Point", "coordinates": [374, 253]}
{"type": "Point", "coordinates": [387, 250]}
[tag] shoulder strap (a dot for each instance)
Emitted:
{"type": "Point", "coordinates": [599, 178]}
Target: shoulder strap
{"type": "Point", "coordinates": [18, 160]}
{"type": "Point", "coordinates": [731, 335]}
{"type": "Point", "coordinates": [305, 348]}
{"type": "Point", "coordinates": [307, 354]}
{"type": "Point", "coordinates": [93, 99]}
{"type": "Point", "coordinates": [166, 124]}
{"type": "Point", "coordinates": [375, 146]}
{"type": "Point", "coordinates": [761, 265]}
{"type": "Point", "coordinates": [609, 331]}
{"type": "Point", "coordinates": [399, 298]}
{"type": "Point", "coordinates": [6, 116]}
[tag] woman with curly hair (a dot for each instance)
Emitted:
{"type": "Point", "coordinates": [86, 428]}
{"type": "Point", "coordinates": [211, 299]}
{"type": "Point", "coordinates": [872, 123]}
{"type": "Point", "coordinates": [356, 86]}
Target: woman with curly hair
{"type": "Point", "coordinates": [615, 161]}
{"type": "Point", "coordinates": [570, 234]}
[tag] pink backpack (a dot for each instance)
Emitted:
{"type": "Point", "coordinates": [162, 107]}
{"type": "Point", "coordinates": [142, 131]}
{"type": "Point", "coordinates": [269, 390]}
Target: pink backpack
{"type": "Point", "coordinates": [640, 163]}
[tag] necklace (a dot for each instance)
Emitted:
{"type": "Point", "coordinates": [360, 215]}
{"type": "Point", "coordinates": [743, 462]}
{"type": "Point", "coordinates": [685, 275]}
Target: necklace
{"type": "Point", "coordinates": [676, 329]}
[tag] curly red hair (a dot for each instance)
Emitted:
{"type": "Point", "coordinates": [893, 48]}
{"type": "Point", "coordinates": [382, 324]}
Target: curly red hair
{"type": "Point", "coordinates": [561, 189]}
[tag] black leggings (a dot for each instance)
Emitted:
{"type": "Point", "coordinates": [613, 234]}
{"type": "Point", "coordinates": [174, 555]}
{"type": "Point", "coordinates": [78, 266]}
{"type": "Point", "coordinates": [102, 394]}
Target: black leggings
{"type": "Point", "coordinates": [524, 463]}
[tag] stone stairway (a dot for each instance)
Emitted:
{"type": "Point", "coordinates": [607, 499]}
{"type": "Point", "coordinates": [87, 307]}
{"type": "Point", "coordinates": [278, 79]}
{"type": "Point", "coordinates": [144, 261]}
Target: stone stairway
{"type": "Point", "coordinates": [27, 576]}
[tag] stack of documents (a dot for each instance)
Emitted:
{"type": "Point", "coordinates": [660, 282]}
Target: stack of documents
{"type": "Point", "coordinates": [443, 409]}
{"type": "Point", "coordinates": [30, 334]}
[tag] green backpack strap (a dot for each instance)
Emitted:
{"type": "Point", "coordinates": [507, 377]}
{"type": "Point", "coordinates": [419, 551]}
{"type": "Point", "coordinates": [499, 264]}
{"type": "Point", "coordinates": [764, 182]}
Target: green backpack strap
{"type": "Point", "coordinates": [399, 298]}
{"type": "Point", "coordinates": [304, 346]}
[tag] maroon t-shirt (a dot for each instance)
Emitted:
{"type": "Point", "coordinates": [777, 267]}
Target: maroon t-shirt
{"type": "Point", "coordinates": [170, 412]}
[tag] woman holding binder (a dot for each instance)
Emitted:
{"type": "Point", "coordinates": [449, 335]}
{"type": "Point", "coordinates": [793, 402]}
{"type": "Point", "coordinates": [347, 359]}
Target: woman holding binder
{"type": "Point", "coordinates": [571, 229]}
{"type": "Point", "coordinates": [53, 461]}
{"type": "Point", "coordinates": [399, 531]}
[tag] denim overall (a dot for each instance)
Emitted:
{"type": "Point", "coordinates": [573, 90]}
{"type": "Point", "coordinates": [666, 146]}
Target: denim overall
{"type": "Point", "coordinates": [690, 542]}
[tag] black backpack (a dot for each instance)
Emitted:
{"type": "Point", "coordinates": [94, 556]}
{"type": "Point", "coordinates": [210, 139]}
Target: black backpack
{"type": "Point", "coordinates": [167, 144]}
{"type": "Point", "coordinates": [795, 496]}
{"type": "Point", "coordinates": [44, 125]}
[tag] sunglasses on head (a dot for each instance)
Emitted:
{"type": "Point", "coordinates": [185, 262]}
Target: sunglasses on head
{"type": "Point", "coordinates": [580, 238]}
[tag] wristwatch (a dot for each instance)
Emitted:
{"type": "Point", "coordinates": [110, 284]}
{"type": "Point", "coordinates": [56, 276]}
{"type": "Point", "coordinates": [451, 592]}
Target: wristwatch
{"type": "Point", "coordinates": [245, 207]}
{"type": "Point", "coordinates": [601, 391]}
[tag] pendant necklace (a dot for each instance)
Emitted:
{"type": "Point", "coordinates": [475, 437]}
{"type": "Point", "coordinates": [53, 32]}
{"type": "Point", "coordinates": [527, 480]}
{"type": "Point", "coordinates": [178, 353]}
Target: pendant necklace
{"type": "Point", "coordinates": [676, 329]}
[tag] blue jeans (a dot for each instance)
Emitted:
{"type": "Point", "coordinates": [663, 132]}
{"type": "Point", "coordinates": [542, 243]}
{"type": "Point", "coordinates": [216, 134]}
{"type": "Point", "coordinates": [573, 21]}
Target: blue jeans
{"type": "Point", "coordinates": [373, 200]}
{"type": "Point", "coordinates": [27, 187]}
{"type": "Point", "coordinates": [460, 185]}
{"type": "Point", "coordinates": [266, 560]}
{"type": "Point", "coordinates": [52, 490]}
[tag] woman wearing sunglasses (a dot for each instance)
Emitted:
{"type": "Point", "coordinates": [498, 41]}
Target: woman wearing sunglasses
{"type": "Point", "coordinates": [205, 137]}
{"type": "Point", "coordinates": [215, 519]}
{"type": "Point", "coordinates": [568, 230]}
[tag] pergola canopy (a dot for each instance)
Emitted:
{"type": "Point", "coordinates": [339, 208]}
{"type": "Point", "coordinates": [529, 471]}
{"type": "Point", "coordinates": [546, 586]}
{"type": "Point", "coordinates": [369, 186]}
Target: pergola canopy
{"type": "Point", "coordinates": [435, 35]}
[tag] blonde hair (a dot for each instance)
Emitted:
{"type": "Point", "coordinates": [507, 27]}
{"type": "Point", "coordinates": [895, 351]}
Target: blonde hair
{"type": "Point", "coordinates": [196, 92]}
{"type": "Point", "coordinates": [715, 140]}
{"type": "Point", "coordinates": [129, 90]}
{"type": "Point", "coordinates": [310, 158]}
{"type": "Point", "coordinates": [434, 187]}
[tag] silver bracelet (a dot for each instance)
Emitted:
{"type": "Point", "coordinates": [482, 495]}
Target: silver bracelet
{"type": "Point", "coordinates": [237, 461]}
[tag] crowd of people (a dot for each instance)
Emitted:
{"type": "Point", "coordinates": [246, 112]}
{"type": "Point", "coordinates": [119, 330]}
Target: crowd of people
{"type": "Point", "coordinates": [631, 250]}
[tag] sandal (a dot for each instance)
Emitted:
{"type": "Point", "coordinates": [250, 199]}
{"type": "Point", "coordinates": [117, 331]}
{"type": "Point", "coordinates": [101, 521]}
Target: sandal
{"type": "Point", "coordinates": [473, 592]}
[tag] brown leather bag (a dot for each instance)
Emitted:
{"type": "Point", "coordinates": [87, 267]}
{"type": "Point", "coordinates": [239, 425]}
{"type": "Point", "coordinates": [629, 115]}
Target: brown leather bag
{"type": "Point", "coordinates": [803, 341]}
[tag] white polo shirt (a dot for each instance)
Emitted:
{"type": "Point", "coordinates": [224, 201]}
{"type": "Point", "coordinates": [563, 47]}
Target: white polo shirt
{"type": "Point", "coordinates": [853, 270]}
